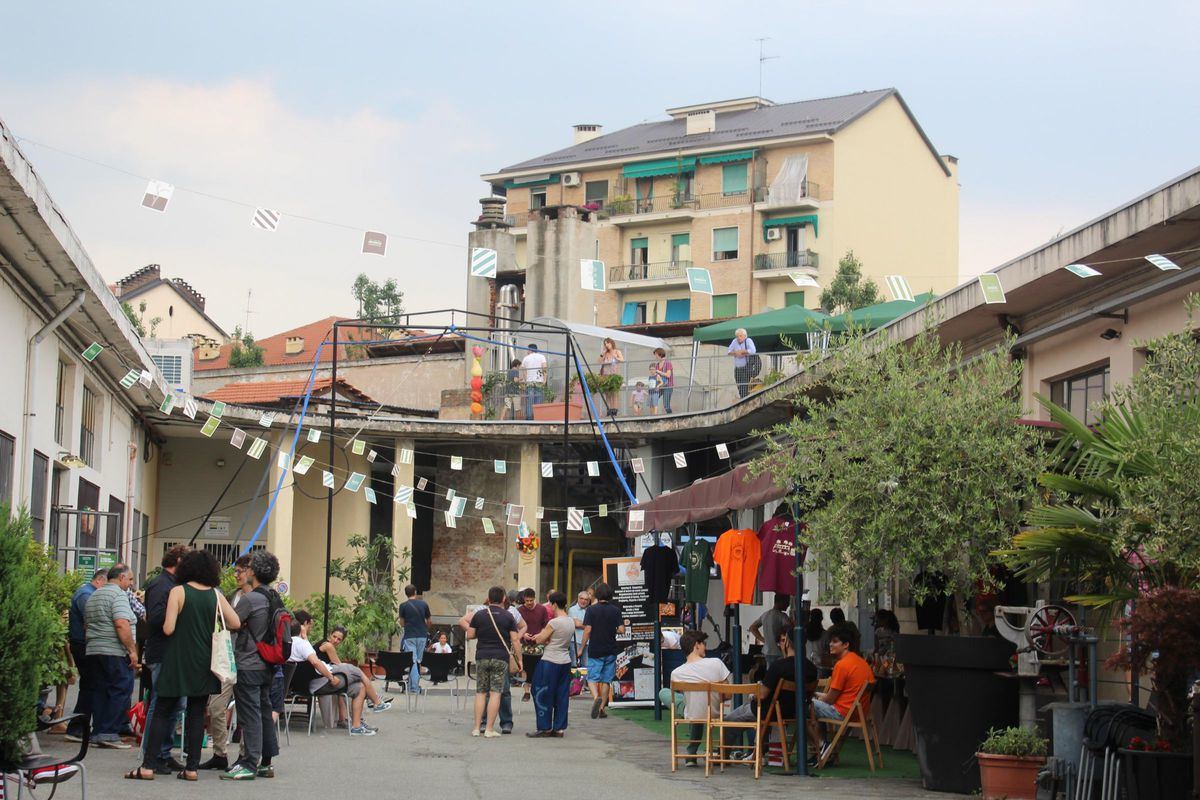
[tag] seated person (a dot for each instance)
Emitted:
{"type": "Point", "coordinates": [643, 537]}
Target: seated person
{"type": "Point", "coordinates": [327, 652]}
{"type": "Point", "coordinates": [326, 677]}
{"type": "Point", "coordinates": [697, 668]}
{"type": "Point", "coordinates": [850, 672]}
{"type": "Point", "coordinates": [442, 645]}
{"type": "Point", "coordinates": [782, 669]}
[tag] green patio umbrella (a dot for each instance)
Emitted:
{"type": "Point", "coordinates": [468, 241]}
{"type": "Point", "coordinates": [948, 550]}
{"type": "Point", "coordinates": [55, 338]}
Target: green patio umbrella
{"type": "Point", "coordinates": [880, 314]}
{"type": "Point", "coordinates": [767, 328]}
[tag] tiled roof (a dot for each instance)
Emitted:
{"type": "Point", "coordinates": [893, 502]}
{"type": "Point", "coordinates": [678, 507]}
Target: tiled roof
{"type": "Point", "coordinates": [273, 347]}
{"type": "Point", "coordinates": [270, 392]}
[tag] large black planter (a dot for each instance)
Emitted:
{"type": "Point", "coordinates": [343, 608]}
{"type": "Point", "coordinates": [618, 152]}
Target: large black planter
{"type": "Point", "coordinates": [1156, 776]}
{"type": "Point", "coordinates": [956, 693]}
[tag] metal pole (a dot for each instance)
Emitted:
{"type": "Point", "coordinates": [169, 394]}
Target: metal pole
{"type": "Point", "coordinates": [798, 638]}
{"type": "Point", "coordinates": [329, 493]}
{"type": "Point", "coordinates": [565, 445]}
{"type": "Point", "coordinates": [658, 673]}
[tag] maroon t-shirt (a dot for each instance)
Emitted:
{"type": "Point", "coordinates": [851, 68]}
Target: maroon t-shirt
{"type": "Point", "coordinates": [777, 539]}
{"type": "Point", "coordinates": [535, 618]}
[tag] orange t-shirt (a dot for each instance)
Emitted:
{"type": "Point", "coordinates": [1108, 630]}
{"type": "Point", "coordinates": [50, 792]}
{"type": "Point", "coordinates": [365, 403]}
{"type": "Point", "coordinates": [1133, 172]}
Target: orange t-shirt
{"type": "Point", "coordinates": [849, 674]}
{"type": "Point", "coordinates": [737, 555]}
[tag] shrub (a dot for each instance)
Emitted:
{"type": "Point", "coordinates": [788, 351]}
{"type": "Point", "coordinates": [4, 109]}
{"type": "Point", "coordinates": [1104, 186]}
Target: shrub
{"type": "Point", "coordinates": [1018, 742]}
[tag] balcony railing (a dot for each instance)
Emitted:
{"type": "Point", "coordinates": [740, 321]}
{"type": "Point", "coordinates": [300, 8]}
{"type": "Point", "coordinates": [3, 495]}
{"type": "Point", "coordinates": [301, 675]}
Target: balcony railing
{"type": "Point", "coordinates": [793, 260]}
{"type": "Point", "coordinates": [808, 191]}
{"type": "Point", "coordinates": [655, 271]}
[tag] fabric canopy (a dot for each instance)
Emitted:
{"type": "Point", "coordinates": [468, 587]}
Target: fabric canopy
{"type": "Point", "coordinates": [667, 166]}
{"type": "Point", "coordinates": [709, 498]}
{"type": "Point", "coordinates": [722, 158]}
{"type": "Point", "coordinates": [880, 314]}
{"type": "Point", "coordinates": [766, 328]}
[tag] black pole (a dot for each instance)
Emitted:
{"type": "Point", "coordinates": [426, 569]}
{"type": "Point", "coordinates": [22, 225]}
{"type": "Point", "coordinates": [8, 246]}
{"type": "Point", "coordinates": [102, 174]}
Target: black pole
{"type": "Point", "coordinates": [736, 639]}
{"type": "Point", "coordinates": [798, 638]}
{"type": "Point", "coordinates": [565, 444]}
{"type": "Point", "coordinates": [220, 497]}
{"type": "Point", "coordinates": [658, 673]}
{"type": "Point", "coordinates": [329, 493]}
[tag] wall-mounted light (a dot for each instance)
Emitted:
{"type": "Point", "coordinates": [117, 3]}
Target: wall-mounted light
{"type": "Point", "coordinates": [1110, 334]}
{"type": "Point", "coordinates": [70, 460]}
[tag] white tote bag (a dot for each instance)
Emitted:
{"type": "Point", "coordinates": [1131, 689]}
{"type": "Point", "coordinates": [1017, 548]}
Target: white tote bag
{"type": "Point", "coordinates": [222, 663]}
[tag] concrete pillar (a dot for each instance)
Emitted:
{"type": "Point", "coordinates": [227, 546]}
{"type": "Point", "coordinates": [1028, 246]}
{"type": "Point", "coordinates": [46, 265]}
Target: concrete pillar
{"type": "Point", "coordinates": [279, 524]}
{"type": "Point", "coordinates": [529, 571]}
{"type": "Point", "coordinates": [402, 529]}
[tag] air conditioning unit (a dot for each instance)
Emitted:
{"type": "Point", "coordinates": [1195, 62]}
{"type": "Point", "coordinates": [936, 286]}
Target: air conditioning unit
{"type": "Point", "coordinates": [774, 234]}
{"type": "Point", "coordinates": [570, 179]}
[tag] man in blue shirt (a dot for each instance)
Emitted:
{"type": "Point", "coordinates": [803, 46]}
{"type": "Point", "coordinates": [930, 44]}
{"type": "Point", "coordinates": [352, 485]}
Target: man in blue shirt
{"type": "Point", "coordinates": [415, 617]}
{"type": "Point", "coordinates": [77, 641]}
{"type": "Point", "coordinates": [741, 348]}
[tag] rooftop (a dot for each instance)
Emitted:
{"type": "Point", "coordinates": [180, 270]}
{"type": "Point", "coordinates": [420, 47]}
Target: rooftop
{"type": "Point", "coordinates": [275, 347]}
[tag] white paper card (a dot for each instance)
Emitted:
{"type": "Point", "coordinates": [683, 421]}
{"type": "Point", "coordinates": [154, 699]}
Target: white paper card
{"type": "Point", "coordinates": [637, 520]}
{"type": "Point", "coordinates": [479, 504]}
{"type": "Point", "coordinates": [637, 465]}
{"type": "Point", "coordinates": [456, 462]}
{"type": "Point", "coordinates": [593, 468]}
{"type": "Point", "coordinates": [238, 438]}
{"type": "Point", "coordinates": [680, 460]}
{"type": "Point", "coordinates": [547, 469]}
{"type": "Point", "coordinates": [722, 450]}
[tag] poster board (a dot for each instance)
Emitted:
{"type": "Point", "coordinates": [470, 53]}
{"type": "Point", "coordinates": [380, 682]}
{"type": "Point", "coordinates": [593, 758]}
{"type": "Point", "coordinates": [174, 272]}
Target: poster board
{"type": "Point", "coordinates": [628, 583]}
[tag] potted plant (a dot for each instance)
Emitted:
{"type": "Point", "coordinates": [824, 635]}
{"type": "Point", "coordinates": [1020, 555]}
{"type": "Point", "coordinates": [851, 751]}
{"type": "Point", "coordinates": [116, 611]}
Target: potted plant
{"type": "Point", "coordinates": [621, 204]}
{"type": "Point", "coordinates": [373, 620]}
{"type": "Point", "coordinates": [551, 409]}
{"type": "Point", "coordinates": [1009, 762]}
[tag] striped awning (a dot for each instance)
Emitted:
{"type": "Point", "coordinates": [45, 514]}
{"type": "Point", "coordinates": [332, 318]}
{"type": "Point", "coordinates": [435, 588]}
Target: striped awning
{"type": "Point", "coordinates": [724, 158]}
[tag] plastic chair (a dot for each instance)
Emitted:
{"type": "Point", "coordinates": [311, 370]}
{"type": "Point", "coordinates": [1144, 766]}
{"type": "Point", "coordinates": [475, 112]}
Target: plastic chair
{"type": "Point", "coordinates": [865, 723]}
{"type": "Point", "coordinates": [397, 668]}
{"type": "Point", "coordinates": [718, 724]}
{"type": "Point", "coordinates": [676, 756]}
{"type": "Point", "coordinates": [297, 690]}
{"type": "Point", "coordinates": [25, 768]}
{"type": "Point", "coordinates": [443, 668]}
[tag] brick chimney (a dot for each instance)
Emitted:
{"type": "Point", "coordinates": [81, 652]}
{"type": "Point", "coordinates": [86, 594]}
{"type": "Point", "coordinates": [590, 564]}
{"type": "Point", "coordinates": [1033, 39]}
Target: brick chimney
{"type": "Point", "coordinates": [147, 274]}
{"type": "Point", "coordinates": [193, 296]}
{"type": "Point", "coordinates": [293, 345]}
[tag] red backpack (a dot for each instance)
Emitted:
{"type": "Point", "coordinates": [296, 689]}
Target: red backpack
{"type": "Point", "coordinates": [276, 645]}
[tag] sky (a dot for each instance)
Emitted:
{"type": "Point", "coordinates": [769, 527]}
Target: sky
{"type": "Point", "coordinates": [381, 116]}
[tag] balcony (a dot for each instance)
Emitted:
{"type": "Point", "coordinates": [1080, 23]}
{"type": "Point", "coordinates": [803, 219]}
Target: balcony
{"type": "Point", "coordinates": [660, 273]}
{"type": "Point", "coordinates": [808, 197]}
{"type": "Point", "coordinates": [776, 266]}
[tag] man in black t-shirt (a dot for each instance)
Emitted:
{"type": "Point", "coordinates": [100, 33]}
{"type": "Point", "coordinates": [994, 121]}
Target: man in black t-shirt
{"type": "Point", "coordinates": [601, 623]}
{"type": "Point", "coordinates": [783, 669]}
{"type": "Point", "coordinates": [414, 615]}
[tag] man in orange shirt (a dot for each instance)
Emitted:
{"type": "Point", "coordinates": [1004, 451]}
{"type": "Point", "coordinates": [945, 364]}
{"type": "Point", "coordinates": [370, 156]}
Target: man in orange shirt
{"type": "Point", "coordinates": [850, 672]}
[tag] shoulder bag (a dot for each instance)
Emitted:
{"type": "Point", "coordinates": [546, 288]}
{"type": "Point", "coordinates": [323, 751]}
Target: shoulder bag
{"type": "Point", "coordinates": [513, 666]}
{"type": "Point", "coordinates": [222, 662]}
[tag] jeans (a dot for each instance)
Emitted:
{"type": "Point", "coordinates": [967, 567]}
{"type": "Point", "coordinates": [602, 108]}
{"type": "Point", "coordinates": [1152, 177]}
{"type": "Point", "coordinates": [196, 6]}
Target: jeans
{"type": "Point", "coordinates": [112, 686]}
{"type": "Point", "coordinates": [83, 701]}
{"type": "Point", "coordinates": [416, 646]}
{"type": "Point", "coordinates": [665, 394]}
{"type": "Point", "coordinates": [180, 704]}
{"type": "Point", "coordinates": [551, 695]}
{"type": "Point", "coordinates": [253, 695]}
{"type": "Point", "coordinates": [533, 394]}
{"type": "Point", "coordinates": [162, 725]}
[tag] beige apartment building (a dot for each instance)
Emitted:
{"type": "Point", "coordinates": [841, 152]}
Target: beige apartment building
{"type": "Point", "coordinates": [755, 192]}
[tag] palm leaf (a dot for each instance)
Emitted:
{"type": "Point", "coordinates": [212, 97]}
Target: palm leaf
{"type": "Point", "coordinates": [1087, 488]}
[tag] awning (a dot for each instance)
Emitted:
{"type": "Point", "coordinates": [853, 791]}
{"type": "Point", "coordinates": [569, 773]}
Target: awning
{"type": "Point", "coordinates": [766, 328]}
{"type": "Point", "coordinates": [709, 498]}
{"type": "Point", "coordinates": [532, 180]}
{"type": "Point", "coordinates": [805, 219]}
{"type": "Point", "coordinates": [667, 166]}
{"type": "Point", "coordinates": [723, 158]}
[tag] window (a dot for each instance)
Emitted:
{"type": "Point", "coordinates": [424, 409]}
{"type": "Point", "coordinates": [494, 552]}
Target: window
{"type": "Point", "coordinates": [724, 305]}
{"type": "Point", "coordinates": [537, 198]}
{"type": "Point", "coordinates": [88, 499]}
{"type": "Point", "coordinates": [1079, 394]}
{"type": "Point", "coordinates": [87, 427]}
{"type": "Point", "coordinates": [60, 405]}
{"type": "Point", "coordinates": [171, 367]}
{"type": "Point", "coordinates": [678, 310]}
{"type": "Point", "coordinates": [39, 495]}
{"type": "Point", "coordinates": [595, 192]}
{"type": "Point", "coordinates": [114, 526]}
{"type": "Point", "coordinates": [685, 186]}
{"type": "Point", "coordinates": [8, 449]}
{"type": "Point", "coordinates": [725, 244]}
{"type": "Point", "coordinates": [633, 314]}
{"type": "Point", "coordinates": [793, 299]}
{"type": "Point", "coordinates": [681, 247]}
{"type": "Point", "coordinates": [639, 250]}
{"type": "Point", "coordinates": [733, 179]}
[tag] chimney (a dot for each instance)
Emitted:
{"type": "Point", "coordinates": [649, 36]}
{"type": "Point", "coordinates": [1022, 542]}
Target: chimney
{"type": "Point", "coordinates": [145, 275]}
{"type": "Point", "coordinates": [206, 349]}
{"type": "Point", "coordinates": [586, 132]}
{"type": "Point", "coordinates": [293, 345]}
{"type": "Point", "coordinates": [701, 121]}
{"type": "Point", "coordinates": [492, 215]}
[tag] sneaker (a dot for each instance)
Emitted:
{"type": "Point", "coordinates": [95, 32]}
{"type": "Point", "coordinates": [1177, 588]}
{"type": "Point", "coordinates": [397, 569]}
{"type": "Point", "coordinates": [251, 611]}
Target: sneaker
{"type": "Point", "coordinates": [384, 706]}
{"type": "Point", "coordinates": [505, 731]}
{"type": "Point", "coordinates": [239, 772]}
{"type": "Point", "coordinates": [55, 774]}
{"type": "Point", "coordinates": [690, 762]}
{"type": "Point", "coordinates": [491, 735]}
{"type": "Point", "coordinates": [266, 771]}
{"type": "Point", "coordinates": [476, 732]}
{"type": "Point", "coordinates": [363, 730]}
{"type": "Point", "coordinates": [113, 744]}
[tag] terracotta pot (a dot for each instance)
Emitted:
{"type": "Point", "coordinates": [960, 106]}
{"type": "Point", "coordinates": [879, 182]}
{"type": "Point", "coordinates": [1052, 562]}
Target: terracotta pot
{"type": "Point", "coordinates": [553, 412]}
{"type": "Point", "coordinates": [1009, 777]}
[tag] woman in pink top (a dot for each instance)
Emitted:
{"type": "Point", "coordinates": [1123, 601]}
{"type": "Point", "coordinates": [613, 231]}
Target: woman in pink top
{"type": "Point", "coordinates": [663, 373]}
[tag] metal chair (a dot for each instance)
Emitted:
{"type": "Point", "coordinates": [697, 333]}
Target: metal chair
{"type": "Point", "coordinates": [289, 671]}
{"type": "Point", "coordinates": [25, 769]}
{"type": "Point", "coordinates": [397, 668]}
{"type": "Point", "coordinates": [298, 691]}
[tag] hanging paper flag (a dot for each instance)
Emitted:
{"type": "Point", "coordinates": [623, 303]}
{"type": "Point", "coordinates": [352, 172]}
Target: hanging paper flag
{"type": "Point", "coordinates": [374, 243]}
{"type": "Point", "coordinates": [514, 514]}
{"type": "Point", "coordinates": [145, 378]}
{"type": "Point", "coordinates": [989, 284]}
{"type": "Point", "coordinates": [456, 462]}
{"type": "Point", "coordinates": [190, 408]}
{"type": "Point", "coordinates": [479, 504]}
{"type": "Point", "coordinates": [284, 460]}
{"type": "Point", "coordinates": [266, 419]}
{"type": "Point", "coordinates": [637, 465]}
{"type": "Point", "coordinates": [553, 529]}
{"type": "Point", "coordinates": [460, 506]}
{"type": "Point", "coordinates": [722, 450]}
{"type": "Point", "coordinates": [540, 513]}
{"type": "Point", "coordinates": [449, 494]}
{"type": "Point", "coordinates": [483, 262]}
{"type": "Point", "coordinates": [1082, 270]}
{"type": "Point", "coordinates": [238, 438]}
{"type": "Point", "coordinates": [574, 519]}
{"type": "Point", "coordinates": [699, 280]}
{"type": "Point", "coordinates": [91, 352]}
{"type": "Point", "coordinates": [327, 478]}
{"type": "Point", "coordinates": [501, 466]}
{"type": "Point", "coordinates": [130, 378]}
{"type": "Point", "coordinates": [547, 469]}
{"type": "Point", "coordinates": [523, 531]}
{"type": "Point", "coordinates": [450, 523]}
{"type": "Point", "coordinates": [593, 468]}
{"type": "Point", "coordinates": [411, 508]}
{"type": "Point", "coordinates": [422, 483]}
{"type": "Point", "coordinates": [680, 460]}
{"type": "Point", "coordinates": [602, 511]}
{"type": "Point", "coordinates": [591, 275]}
{"type": "Point", "coordinates": [404, 494]}
{"type": "Point", "coordinates": [158, 194]}
{"type": "Point", "coordinates": [488, 527]}
{"type": "Point", "coordinates": [266, 219]}
{"type": "Point", "coordinates": [168, 404]}
{"type": "Point", "coordinates": [898, 286]}
{"type": "Point", "coordinates": [257, 447]}
{"type": "Point", "coordinates": [358, 447]}
{"type": "Point", "coordinates": [587, 525]}
{"type": "Point", "coordinates": [218, 409]}
{"type": "Point", "coordinates": [804, 280]}
{"type": "Point", "coordinates": [1162, 262]}
{"type": "Point", "coordinates": [637, 520]}
{"type": "Point", "coordinates": [369, 493]}
{"type": "Point", "coordinates": [210, 426]}
{"type": "Point", "coordinates": [395, 470]}
{"type": "Point", "coordinates": [355, 481]}
{"type": "Point", "coordinates": [371, 456]}
{"type": "Point", "coordinates": [314, 435]}
{"type": "Point", "coordinates": [302, 467]}
{"type": "Point", "coordinates": [406, 455]}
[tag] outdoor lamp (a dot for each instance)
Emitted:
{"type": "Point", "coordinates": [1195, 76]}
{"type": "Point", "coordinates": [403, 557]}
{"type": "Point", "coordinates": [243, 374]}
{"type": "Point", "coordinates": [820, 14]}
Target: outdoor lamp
{"type": "Point", "coordinates": [69, 460]}
{"type": "Point", "coordinates": [1110, 334]}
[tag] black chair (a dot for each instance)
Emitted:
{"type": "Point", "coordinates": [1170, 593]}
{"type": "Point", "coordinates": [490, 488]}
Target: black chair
{"type": "Point", "coordinates": [289, 671]}
{"type": "Point", "coordinates": [443, 668]}
{"type": "Point", "coordinates": [297, 691]}
{"type": "Point", "coordinates": [24, 769]}
{"type": "Point", "coordinates": [396, 669]}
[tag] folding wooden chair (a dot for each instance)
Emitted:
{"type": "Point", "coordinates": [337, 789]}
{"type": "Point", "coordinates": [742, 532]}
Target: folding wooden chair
{"type": "Point", "coordinates": [718, 724]}
{"type": "Point", "coordinates": [858, 717]}
{"type": "Point", "coordinates": [779, 719]}
{"type": "Point", "coordinates": [676, 756]}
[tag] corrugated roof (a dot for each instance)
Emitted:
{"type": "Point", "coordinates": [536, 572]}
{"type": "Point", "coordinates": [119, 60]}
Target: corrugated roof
{"type": "Point", "coordinates": [734, 128]}
{"type": "Point", "coordinates": [264, 392]}
{"type": "Point", "coordinates": [273, 347]}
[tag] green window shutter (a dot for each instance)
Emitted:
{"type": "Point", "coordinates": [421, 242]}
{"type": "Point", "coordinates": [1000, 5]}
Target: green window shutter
{"type": "Point", "coordinates": [793, 299]}
{"type": "Point", "coordinates": [725, 240]}
{"type": "Point", "coordinates": [733, 178]}
{"type": "Point", "coordinates": [724, 305]}
{"type": "Point", "coordinates": [680, 239]}
{"type": "Point", "coordinates": [640, 243]}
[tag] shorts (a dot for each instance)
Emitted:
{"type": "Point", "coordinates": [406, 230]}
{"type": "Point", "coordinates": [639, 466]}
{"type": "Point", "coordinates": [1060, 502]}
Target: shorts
{"type": "Point", "coordinates": [490, 675]}
{"type": "Point", "coordinates": [601, 669]}
{"type": "Point", "coordinates": [512, 402]}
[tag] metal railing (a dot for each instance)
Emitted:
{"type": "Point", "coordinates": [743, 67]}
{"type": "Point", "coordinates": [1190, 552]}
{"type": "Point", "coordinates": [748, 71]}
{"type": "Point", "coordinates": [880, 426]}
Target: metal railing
{"type": "Point", "coordinates": [657, 270]}
{"type": "Point", "coordinates": [791, 260]}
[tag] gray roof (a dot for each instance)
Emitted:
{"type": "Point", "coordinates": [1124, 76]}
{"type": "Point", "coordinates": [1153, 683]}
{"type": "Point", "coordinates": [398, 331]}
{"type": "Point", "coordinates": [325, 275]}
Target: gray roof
{"type": "Point", "coordinates": [803, 118]}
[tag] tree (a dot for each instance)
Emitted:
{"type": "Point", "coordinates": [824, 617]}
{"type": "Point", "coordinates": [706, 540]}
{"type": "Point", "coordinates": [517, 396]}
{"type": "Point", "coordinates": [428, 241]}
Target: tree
{"type": "Point", "coordinates": [377, 301]}
{"type": "Point", "coordinates": [243, 352]}
{"type": "Point", "coordinates": [848, 291]}
{"type": "Point", "coordinates": [138, 318]}
{"type": "Point", "coordinates": [906, 460]}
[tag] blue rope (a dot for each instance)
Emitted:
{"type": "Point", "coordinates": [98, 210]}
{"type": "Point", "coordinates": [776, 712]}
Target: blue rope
{"type": "Point", "coordinates": [612, 457]}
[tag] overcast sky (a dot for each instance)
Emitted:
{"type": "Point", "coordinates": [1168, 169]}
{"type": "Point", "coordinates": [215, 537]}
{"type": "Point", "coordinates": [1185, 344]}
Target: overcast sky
{"type": "Point", "coordinates": [377, 116]}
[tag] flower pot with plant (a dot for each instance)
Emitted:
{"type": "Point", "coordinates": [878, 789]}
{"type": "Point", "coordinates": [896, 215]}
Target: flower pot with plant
{"type": "Point", "coordinates": [369, 574]}
{"type": "Point", "coordinates": [1009, 762]}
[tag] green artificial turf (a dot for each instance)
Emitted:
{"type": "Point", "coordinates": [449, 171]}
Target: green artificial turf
{"type": "Point", "coordinates": [852, 761]}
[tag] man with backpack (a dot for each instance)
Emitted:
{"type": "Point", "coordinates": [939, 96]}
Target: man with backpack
{"type": "Point", "coordinates": [259, 647]}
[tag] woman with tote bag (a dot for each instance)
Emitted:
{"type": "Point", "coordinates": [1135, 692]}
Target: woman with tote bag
{"type": "Point", "coordinates": [195, 611]}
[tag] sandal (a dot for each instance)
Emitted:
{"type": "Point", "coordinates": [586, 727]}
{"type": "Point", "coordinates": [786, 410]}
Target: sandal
{"type": "Point", "coordinates": [135, 774]}
{"type": "Point", "coordinates": [187, 775]}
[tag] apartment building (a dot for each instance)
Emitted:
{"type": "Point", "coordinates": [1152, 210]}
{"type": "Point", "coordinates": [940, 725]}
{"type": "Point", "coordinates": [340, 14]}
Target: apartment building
{"type": "Point", "coordinates": [753, 191]}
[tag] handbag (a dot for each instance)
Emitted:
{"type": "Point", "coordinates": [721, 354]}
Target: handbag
{"type": "Point", "coordinates": [513, 666]}
{"type": "Point", "coordinates": [753, 364]}
{"type": "Point", "coordinates": [222, 662]}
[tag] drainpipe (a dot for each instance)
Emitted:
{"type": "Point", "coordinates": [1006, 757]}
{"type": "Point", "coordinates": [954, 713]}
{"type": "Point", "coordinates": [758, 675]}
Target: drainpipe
{"type": "Point", "coordinates": [30, 393]}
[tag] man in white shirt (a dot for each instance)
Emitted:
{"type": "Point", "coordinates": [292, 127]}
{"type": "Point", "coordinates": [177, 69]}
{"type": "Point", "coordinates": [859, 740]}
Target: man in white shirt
{"type": "Point", "coordinates": [533, 370]}
{"type": "Point", "coordinates": [696, 669]}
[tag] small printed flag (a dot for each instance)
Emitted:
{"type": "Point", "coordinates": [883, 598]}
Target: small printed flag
{"type": "Point", "coordinates": [284, 460]}
{"type": "Point", "coordinates": [327, 479]}
{"type": "Point", "coordinates": [168, 404]}
{"type": "Point", "coordinates": [540, 513]}
{"type": "Point", "coordinates": [989, 284]}
{"type": "Point", "coordinates": [587, 525]}
{"type": "Point", "coordinates": [314, 435]}
{"type": "Point", "coordinates": [238, 438]}
{"type": "Point", "coordinates": [358, 447]}
{"type": "Point", "coordinates": [256, 447]}
{"type": "Point", "coordinates": [395, 470]}
{"type": "Point", "coordinates": [501, 466]}
{"type": "Point", "coordinates": [602, 511]}
{"type": "Point", "coordinates": [574, 519]}
{"type": "Point", "coordinates": [210, 426]}
{"type": "Point", "coordinates": [553, 529]}
{"type": "Point", "coordinates": [515, 513]}
{"type": "Point", "coordinates": [1162, 262]}
{"type": "Point", "coordinates": [406, 455]}
{"type": "Point", "coordinates": [218, 409]}
{"type": "Point", "coordinates": [1082, 270]}
{"type": "Point", "coordinates": [681, 460]}
{"type": "Point", "coordinates": [699, 280]}
{"type": "Point", "coordinates": [804, 280]}
{"type": "Point", "coordinates": [266, 419]}
{"type": "Point", "coordinates": [145, 379]}
{"type": "Point", "coordinates": [637, 465]}
{"type": "Point", "coordinates": [369, 493]}
{"type": "Point", "coordinates": [266, 219]}
{"type": "Point", "coordinates": [190, 408]}
{"type": "Point", "coordinates": [591, 275]}
{"type": "Point", "coordinates": [91, 352]}
{"type": "Point", "coordinates": [722, 450]}
{"type": "Point", "coordinates": [302, 467]}
{"type": "Point", "coordinates": [460, 506]}
{"type": "Point", "coordinates": [130, 378]}
{"type": "Point", "coordinates": [411, 508]}
{"type": "Point", "coordinates": [547, 469]}
{"type": "Point", "coordinates": [374, 243]}
{"type": "Point", "coordinates": [898, 286]}
{"type": "Point", "coordinates": [456, 462]}
{"type": "Point", "coordinates": [404, 494]}
{"type": "Point", "coordinates": [422, 483]}
{"type": "Point", "coordinates": [488, 527]}
{"type": "Point", "coordinates": [479, 504]}
{"type": "Point", "coordinates": [449, 494]}
{"type": "Point", "coordinates": [450, 523]}
{"type": "Point", "coordinates": [157, 195]}
{"type": "Point", "coordinates": [593, 468]}
{"type": "Point", "coordinates": [637, 520]}
{"type": "Point", "coordinates": [355, 481]}
{"type": "Point", "coordinates": [483, 262]}
{"type": "Point", "coordinates": [523, 530]}
{"type": "Point", "coordinates": [372, 455]}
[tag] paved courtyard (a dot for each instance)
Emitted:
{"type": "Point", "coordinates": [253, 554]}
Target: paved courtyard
{"type": "Point", "coordinates": [430, 753]}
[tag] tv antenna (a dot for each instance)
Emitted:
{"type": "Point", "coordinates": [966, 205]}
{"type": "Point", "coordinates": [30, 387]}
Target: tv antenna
{"type": "Point", "coordinates": [762, 58]}
{"type": "Point", "coordinates": [248, 311]}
